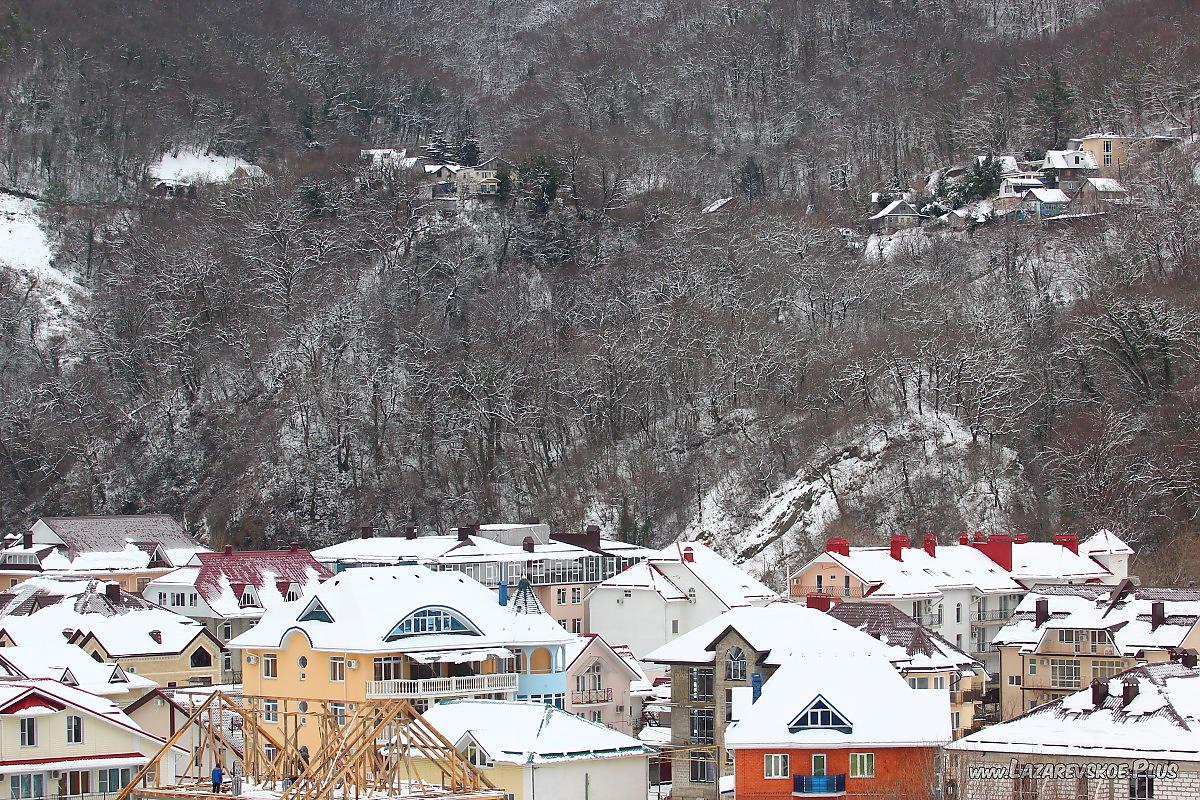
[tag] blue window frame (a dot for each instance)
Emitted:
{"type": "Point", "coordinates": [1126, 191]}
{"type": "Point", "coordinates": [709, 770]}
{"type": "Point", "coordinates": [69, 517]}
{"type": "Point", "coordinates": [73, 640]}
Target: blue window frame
{"type": "Point", "coordinates": [432, 619]}
{"type": "Point", "coordinates": [820, 713]}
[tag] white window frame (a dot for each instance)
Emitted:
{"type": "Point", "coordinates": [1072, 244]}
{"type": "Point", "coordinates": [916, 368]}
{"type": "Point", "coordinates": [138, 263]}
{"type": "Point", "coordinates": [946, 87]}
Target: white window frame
{"type": "Point", "coordinates": [776, 766]}
{"type": "Point", "coordinates": [29, 732]}
{"type": "Point", "coordinates": [337, 669]}
{"type": "Point", "coordinates": [270, 665]}
{"type": "Point", "coordinates": [74, 729]}
{"type": "Point", "coordinates": [862, 765]}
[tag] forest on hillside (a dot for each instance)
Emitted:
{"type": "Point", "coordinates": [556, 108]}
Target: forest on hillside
{"type": "Point", "coordinates": [289, 359]}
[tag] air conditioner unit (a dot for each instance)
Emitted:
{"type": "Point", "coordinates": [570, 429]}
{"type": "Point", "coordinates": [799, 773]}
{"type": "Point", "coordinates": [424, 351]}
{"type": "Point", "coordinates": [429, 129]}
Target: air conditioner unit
{"type": "Point", "coordinates": [54, 774]}
{"type": "Point", "coordinates": [251, 659]}
{"type": "Point", "coordinates": [302, 674]}
{"type": "Point", "coordinates": [352, 663]}
{"type": "Point", "coordinates": [620, 601]}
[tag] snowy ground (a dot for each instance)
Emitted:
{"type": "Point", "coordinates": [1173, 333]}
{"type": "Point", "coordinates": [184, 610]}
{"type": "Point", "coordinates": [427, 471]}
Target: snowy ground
{"type": "Point", "coordinates": [192, 167]}
{"type": "Point", "coordinates": [26, 251]}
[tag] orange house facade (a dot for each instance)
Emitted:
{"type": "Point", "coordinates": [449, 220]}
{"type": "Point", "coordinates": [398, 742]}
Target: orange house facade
{"type": "Point", "coordinates": [887, 772]}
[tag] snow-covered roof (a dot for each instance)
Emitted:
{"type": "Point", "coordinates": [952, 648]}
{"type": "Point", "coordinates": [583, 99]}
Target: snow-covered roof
{"type": "Point", "coordinates": [1068, 159]}
{"type": "Point", "coordinates": [645, 576]}
{"type": "Point", "coordinates": [716, 205]}
{"type": "Point", "coordinates": [878, 706]}
{"type": "Point", "coordinates": [670, 571]}
{"type": "Point", "coordinates": [924, 649]}
{"type": "Point", "coordinates": [1161, 722]}
{"type": "Point", "coordinates": [1111, 185]}
{"type": "Point", "coordinates": [432, 168]}
{"type": "Point", "coordinates": [1008, 164]}
{"type": "Point", "coordinates": [771, 630]}
{"type": "Point", "coordinates": [368, 603]}
{"type": "Point", "coordinates": [640, 686]}
{"type": "Point", "coordinates": [45, 609]}
{"type": "Point", "coordinates": [384, 157]}
{"type": "Point", "coordinates": [1104, 542]}
{"type": "Point", "coordinates": [59, 661]}
{"type": "Point", "coordinates": [452, 550]}
{"type": "Point", "coordinates": [221, 578]}
{"type": "Point", "coordinates": [582, 649]}
{"type": "Point", "coordinates": [1048, 195]}
{"type": "Point", "coordinates": [898, 207]}
{"type": "Point", "coordinates": [523, 733]}
{"type": "Point", "coordinates": [186, 167]}
{"type": "Point", "coordinates": [1125, 611]}
{"type": "Point", "coordinates": [116, 541]}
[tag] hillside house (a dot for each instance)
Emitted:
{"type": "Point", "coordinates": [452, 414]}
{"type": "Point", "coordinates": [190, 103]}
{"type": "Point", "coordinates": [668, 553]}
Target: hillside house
{"type": "Point", "coordinates": [963, 592]}
{"type": "Point", "coordinates": [1041, 203]}
{"type": "Point", "coordinates": [111, 625]}
{"type": "Point", "coordinates": [1130, 735]}
{"type": "Point", "coordinates": [1066, 169]}
{"type": "Point", "coordinates": [130, 550]}
{"type": "Point", "coordinates": [402, 632]}
{"type": "Point", "coordinates": [536, 751]}
{"type": "Point", "coordinates": [229, 591]}
{"type": "Point", "coordinates": [837, 723]}
{"type": "Point", "coordinates": [600, 684]}
{"type": "Point", "coordinates": [672, 592]}
{"type": "Point", "coordinates": [895, 216]}
{"type": "Point", "coordinates": [1060, 637]}
{"type": "Point", "coordinates": [1014, 187]}
{"type": "Point", "coordinates": [1098, 194]}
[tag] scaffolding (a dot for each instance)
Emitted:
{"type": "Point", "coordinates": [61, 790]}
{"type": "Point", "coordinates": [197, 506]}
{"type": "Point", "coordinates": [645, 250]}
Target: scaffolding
{"type": "Point", "coordinates": [370, 753]}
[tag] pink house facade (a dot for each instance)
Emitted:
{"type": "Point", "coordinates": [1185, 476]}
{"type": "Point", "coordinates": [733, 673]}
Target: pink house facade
{"type": "Point", "coordinates": [598, 681]}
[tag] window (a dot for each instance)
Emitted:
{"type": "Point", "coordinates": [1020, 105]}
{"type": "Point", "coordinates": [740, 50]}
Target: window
{"type": "Point", "coordinates": [862, 765]}
{"type": "Point", "coordinates": [919, 683]}
{"type": "Point", "coordinates": [1141, 786]}
{"type": "Point", "coordinates": [576, 596]}
{"type": "Point", "coordinates": [955, 720]}
{"type": "Point", "coordinates": [846, 586]}
{"type": "Point", "coordinates": [1014, 680]}
{"type": "Point", "coordinates": [337, 669]}
{"type": "Point", "coordinates": [315, 612]}
{"type": "Point", "coordinates": [590, 678]}
{"type": "Point", "coordinates": [74, 729]}
{"type": "Point", "coordinates": [1033, 666]}
{"type": "Point", "coordinates": [560, 596]}
{"type": "Point", "coordinates": [338, 712]}
{"type": "Point", "coordinates": [247, 599]}
{"type": "Point", "coordinates": [701, 683]}
{"type": "Point", "coordinates": [226, 631]}
{"type": "Point", "coordinates": [476, 755]}
{"type": "Point", "coordinates": [389, 668]}
{"type": "Point", "coordinates": [227, 661]}
{"type": "Point", "coordinates": [162, 598]}
{"type": "Point", "coordinates": [598, 717]}
{"type": "Point", "coordinates": [701, 726]}
{"type": "Point", "coordinates": [192, 599]}
{"type": "Point", "coordinates": [819, 714]}
{"type": "Point", "coordinates": [735, 665]}
{"type": "Point", "coordinates": [432, 619]}
{"type": "Point", "coordinates": [939, 681]}
{"type": "Point", "coordinates": [25, 786]}
{"type": "Point", "coordinates": [270, 665]}
{"type": "Point", "coordinates": [1107, 158]}
{"type": "Point", "coordinates": [704, 767]}
{"type": "Point", "coordinates": [201, 658]}
{"type": "Point", "coordinates": [775, 765]}
{"type": "Point", "coordinates": [674, 627]}
{"type": "Point", "coordinates": [177, 599]}
{"type": "Point", "coordinates": [818, 764]}
{"type": "Point", "coordinates": [114, 780]}
{"type": "Point", "coordinates": [28, 732]}
{"type": "Point", "coordinates": [577, 625]}
{"type": "Point", "coordinates": [958, 640]}
{"type": "Point", "coordinates": [627, 594]}
{"type": "Point", "coordinates": [1064, 673]}
{"type": "Point", "coordinates": [1108, 148]}
{"type": "Point", "coordinates": [1024, 788]}
{"type": "Point", "coordinates": [270, 711]}
{"type": "Point", "coordinates": [1106, 669]}
{"type": "Point", "coordinates": [958, 613]}
{"type": "Point", "coordinates": [728, 704]}
{"type": "Point", "coordinates": [73, 783]}
{"type": "Point", "coordinates": [293, 593]}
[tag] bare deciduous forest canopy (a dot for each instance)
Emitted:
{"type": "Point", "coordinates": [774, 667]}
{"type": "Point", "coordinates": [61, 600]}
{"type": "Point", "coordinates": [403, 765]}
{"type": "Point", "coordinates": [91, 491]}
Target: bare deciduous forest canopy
{"type": "Point", "coordinates": [290, 359]}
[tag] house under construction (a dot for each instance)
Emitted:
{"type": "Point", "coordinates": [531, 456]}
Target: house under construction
{"type": "Point", "coordinates": [367, 754]}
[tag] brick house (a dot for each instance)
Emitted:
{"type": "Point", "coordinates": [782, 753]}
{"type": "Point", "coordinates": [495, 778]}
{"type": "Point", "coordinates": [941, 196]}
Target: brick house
{"type": "Point", "coordinates": [1133, 735]}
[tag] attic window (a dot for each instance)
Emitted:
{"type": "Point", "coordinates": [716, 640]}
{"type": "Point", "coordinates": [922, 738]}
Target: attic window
{"type": "Point", "coordinates": [315, 612]}
{"type": "Point", "coordinates": [248, 599]}
{"type": "Point", "coordinates": [476, 756]}
{"type": "Point", "coordinates": [156, 635]}
{"type": "Point", "coordinates": [293, 593]}
{"type": "Point", "coordinates": [821, 715]}
{"type": "Point", "coordinates": [431, 619]}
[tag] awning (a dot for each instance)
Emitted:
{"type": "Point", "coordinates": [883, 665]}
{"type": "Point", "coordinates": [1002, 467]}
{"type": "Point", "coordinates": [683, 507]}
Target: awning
{"type": "Point", "coordinates": [51, 764]}
{"type": "Point", "coordinates": [459, 656]}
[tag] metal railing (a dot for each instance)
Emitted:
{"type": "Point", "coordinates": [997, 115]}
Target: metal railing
{"type": "Point", "coordinates": [966, 696]}
{"type": "Point", "coordinates": [591, 696]}
{"type": "Point", "coordinates": [833, 591]}
{"type": "Point", "coordinates": [986, 615]}
{"type": "Point", "coordinates": [444, 687]}
{"type": "Point", "coordinates": [819, 784]}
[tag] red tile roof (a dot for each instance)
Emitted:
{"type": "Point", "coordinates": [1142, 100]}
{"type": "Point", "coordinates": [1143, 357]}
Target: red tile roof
{"type": "Point", "coordinates": [242, 567]}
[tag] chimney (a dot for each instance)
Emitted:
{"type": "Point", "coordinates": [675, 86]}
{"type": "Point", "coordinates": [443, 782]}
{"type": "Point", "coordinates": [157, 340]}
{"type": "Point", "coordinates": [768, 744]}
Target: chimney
{"type": "Point", "coordinates": [591, 535]}
{"type": "Point", "coordinates": [528, 544]}
{"type": "Point", "coordinates": [964, 537]}
{"type": "Point", "coordinates": [464, 532]}
{"type": "Point", "coordinates": [839, 546]}
{"type": "Point", "coordinates": [931, 544]}
{"type": "Point", "coordinates": [1158, 614]}
{"type": "Point", "coordinates": [1099, 692]}
{"type": "Point", "coordinates": [27, 540]}
{"type": "Point", "coordinates": [156, 635]}
{"type": "Point", "coordinates": [366, 532]}
{"type": "Point", "coordinates": [1041, 612]}
{"type": "Point", "coordinates": [532, 521]}
{"type": "Point", "coordinates": [689, 555]}
{"type": "Point", "coordinates": [1021, 538]}
{"type": "Point", "coordinates": [1068, 540]}
{"type": "Point", "coordinates": [899, 542]}
{"type": "Point", "coordinates": [112, 591]}
{"type": "Point", "coordinates": [997, 547]}
{"type": "Point", "coordinates": [1129, 691]}
{"type": "Point", "coordinates": [821, 602]}
{"type": "Point", "coordinates": [1188, 658]}
{"type": "Point", "coordinates": [228, 549]}
{"type": "Point", "coordinates": [294, 547]}
{"type": "Point", "coordinates": [980, 537]}
{"type": "Point", "coordinates": [503, 593]}
{"type": "Point", "coordinates": [410, 531]}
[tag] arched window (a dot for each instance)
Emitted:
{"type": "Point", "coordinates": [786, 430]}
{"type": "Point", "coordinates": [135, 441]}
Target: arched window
{"type": "Point", "coordinates": [958, 613]}
{"type": "Point", "coordinates": [590, 678]}
{"type": "Point", "coordinates": [735, 665]}
{"type": "Point", "coordinates": [432, 619]}
{"type": "Point", "coordinates": [201, 658]}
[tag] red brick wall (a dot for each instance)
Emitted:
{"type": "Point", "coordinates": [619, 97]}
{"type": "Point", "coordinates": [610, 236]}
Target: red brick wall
{"type": "Point", "coordinates": [903, 773]}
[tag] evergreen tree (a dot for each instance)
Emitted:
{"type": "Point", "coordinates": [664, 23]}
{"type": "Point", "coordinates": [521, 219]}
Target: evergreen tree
{"type": "Point", "coordinates": [1054, 102]}
{"type": "Point", "coordinates": [437, 150]}
{"type": "Point", "coordinates": [984, 178]}
{"type": "Point", "coordinates": [468, 152]}
{"type": "Point", "coordinates": [751, 179]}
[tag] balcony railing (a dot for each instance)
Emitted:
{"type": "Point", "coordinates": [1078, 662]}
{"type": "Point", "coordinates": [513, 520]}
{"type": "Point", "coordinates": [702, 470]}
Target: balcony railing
{"type": "Point", "coordinates": [986, 616]}
{"type": "Point", "coordinates": [801, 589]}
{"type": "Point", "coordinates": [444, 687]}
{"type": "Point", "coordinates": [591, 696]}
{"type": "Point", "coordinates": [972, 696]}
{"type": "Point", "coordinates": [819, 784]}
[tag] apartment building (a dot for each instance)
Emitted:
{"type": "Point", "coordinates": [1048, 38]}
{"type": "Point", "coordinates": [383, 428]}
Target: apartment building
{"type": "Point", "coordinates": [964, 592]}
{"type": "Point", "coordinates": [229, 591]}
{"type": "Point", "coordinates": [400, 632]}
{"type": "Point", "coordinates": [1130, 735]}
{"type": "Point", "coordinates": [130, 550]}
{"type": "Point", "coordinates": [672, 592]}
{"type": "Point", "coordinates": [1062, 637]}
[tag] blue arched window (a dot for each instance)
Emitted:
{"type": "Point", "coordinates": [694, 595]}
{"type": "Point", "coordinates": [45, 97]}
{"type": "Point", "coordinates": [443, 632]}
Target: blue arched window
{"type": "Point", "coordinates": [432, 619]}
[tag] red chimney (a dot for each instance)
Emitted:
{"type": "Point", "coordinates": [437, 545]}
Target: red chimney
{"type": "Point", "coordinates": [980, 536]}
{"type": "Point", "coordinates": [964, 537]}
{"type": "Point", "coordinates": [1129, 691]}
{"type": "Point", "coordinates": [366, 532]}
{"type": "Point", "coordinates": [1021, 538]}
{"type": "Point", "coordinates": [899, 542]}
{"type": "Point", "coordinates": [228, 549]}
{"type": "Point", "coordinates": [689, 555]}
{"type": "Point", "coordinates": [294, 547]}
{"type": "Point", "coordinates": [156, 635]}
{"type": "Point", "coordinates": [997, 547]}
{"type": "Point", "coordinates": [528, 544]}
{"type": "Point", "coordinates": [931, 544]}
{"type": "Point", "coordinates": [821, 602]}
{"type": "Point", "coordinates": [1158, 614]}
{"type": "Point", "coordinates": [464, 532]}
{"type": "Point", "coordinates": [1099, 692]}
{"type": "Point", "coordinates": [1068, 540]}
{"type": "Point", "coordinates": [839, 546]}
{"type": "Point", "coordinates": [112, 591]}
{"type": "Point", "coordinates": [1041, 612]}
{"type": "Point", "coordinates": [27, 540]}
{"type": "Point", "coordinates": [591, 535]}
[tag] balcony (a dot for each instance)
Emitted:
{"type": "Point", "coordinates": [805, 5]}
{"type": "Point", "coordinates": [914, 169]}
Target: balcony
{"type": "Point", "coordinates": [802, 589]}
{"type": "Point", "coordinates": [591, 697]}
{"type": "Point", "coordinates": [984, 617]}
{"type": "Point", "coordinates": [819, 785]}
{"type": "Point", "coordinates": [444, 687]}
{"type": "Point", "coordinates": [971, 696]}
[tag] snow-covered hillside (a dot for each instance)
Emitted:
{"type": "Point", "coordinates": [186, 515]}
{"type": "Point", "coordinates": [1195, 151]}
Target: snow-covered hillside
{"type": "Point", "coordinates": [27, 252]}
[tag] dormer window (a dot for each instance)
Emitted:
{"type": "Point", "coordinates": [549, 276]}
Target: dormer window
{"type": "Point", "coordinates": [293, 593]}
{"type": "Point", "coordinates": [315, 612]}
{"type": "Point", "coordinates": [820, 714]}
{"type": "Point", "coordinates": [248, 600]}
{"type": "Point", "coordinates": [432, 619]}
